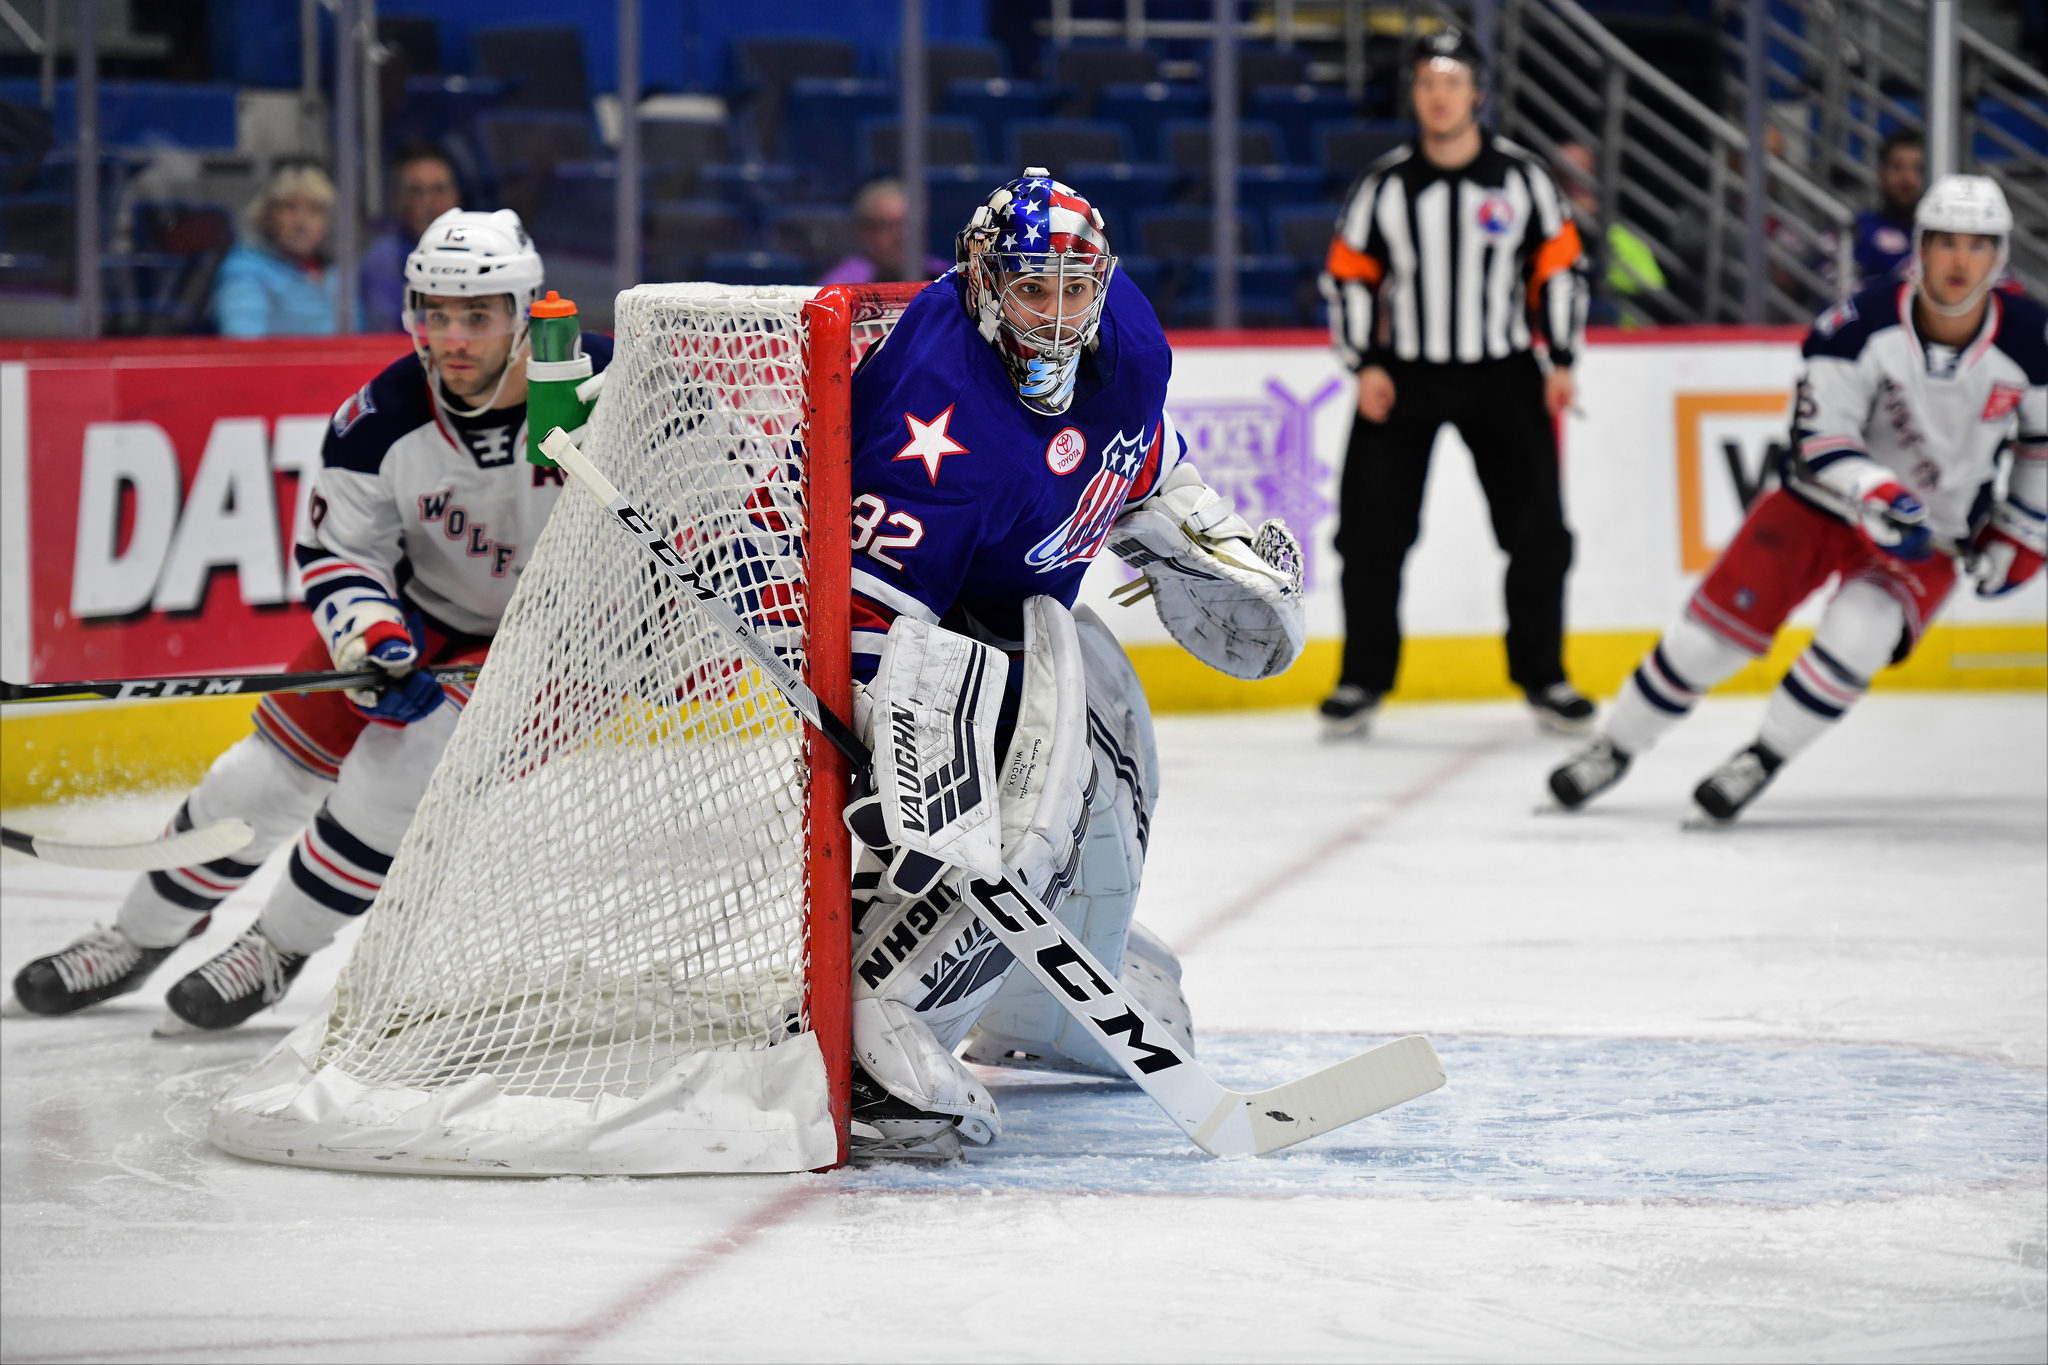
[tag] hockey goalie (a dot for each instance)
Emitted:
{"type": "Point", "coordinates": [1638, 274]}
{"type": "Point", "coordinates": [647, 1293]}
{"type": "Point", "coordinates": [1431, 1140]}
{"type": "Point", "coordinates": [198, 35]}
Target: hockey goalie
{"type": "Point", "coordinates": [1012, 427]}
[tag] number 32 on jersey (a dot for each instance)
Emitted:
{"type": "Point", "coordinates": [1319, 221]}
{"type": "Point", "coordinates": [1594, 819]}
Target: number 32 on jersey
{"type": "Point", "coordinates": [871, 514]}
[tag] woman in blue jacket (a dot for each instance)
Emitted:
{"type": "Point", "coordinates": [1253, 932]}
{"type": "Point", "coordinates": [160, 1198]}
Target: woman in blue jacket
{"type": "Point", "coordinates": [280, 281]}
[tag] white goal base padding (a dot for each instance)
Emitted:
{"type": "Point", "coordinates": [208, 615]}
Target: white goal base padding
{"type": "Point", "coordinates": [755, 1111]}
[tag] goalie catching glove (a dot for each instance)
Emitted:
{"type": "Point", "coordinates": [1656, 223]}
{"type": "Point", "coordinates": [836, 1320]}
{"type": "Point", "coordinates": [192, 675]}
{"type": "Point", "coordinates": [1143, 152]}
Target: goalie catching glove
{"type": "Point", "coordinates": [1230, 596]}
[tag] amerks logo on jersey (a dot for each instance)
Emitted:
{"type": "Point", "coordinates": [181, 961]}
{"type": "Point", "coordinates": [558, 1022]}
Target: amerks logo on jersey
{"type": "Point", "coordinates": [1082, 534]}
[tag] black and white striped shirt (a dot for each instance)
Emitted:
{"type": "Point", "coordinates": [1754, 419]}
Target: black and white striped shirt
{"type": "Point", "coordinates": [1454, 266]}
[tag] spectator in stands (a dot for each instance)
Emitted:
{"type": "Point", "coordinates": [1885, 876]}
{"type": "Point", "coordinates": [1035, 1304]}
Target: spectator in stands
{"type": "Point", "coordinates": [1884, 235]}
{"type": "Point", "coordinates": [1618, 263]}
{"type": "Point", "coordinates": [423, 187]}
{"type": "Point", "coordinates": [280, 281]}
{"type": "Point", "coordinates": [880, 212]}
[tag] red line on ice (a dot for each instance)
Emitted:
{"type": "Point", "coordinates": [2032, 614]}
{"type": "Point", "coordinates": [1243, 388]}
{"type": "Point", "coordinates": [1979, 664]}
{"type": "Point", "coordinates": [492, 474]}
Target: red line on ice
{"type": "Point", "coordinates": [1349, 837]}
{"type": "Point", "coordinates": [576, 1339]}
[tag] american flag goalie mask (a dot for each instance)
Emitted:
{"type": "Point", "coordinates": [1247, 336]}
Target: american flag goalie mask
{"type": "Point", "coordinates": [1035, 267]}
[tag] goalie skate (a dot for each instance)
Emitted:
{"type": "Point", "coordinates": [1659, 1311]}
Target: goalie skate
{"type": "Point", "coordinates": [103, 964]}
{"type": "Point", "coordinates": [888, 1129]}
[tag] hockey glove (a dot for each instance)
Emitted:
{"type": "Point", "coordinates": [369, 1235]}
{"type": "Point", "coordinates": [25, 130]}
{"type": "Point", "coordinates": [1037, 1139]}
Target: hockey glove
{"type": "Point", "coordinates": [2003, 561]}
{"type": "Point", "coordinates": [367, 630]}
{"type": "Point", "coordinates": [1891, 518]}
{"type": "Point", "coordinates": [1230, 596]}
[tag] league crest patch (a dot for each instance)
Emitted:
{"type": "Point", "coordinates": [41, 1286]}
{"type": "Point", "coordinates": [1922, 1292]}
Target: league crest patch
{"type": "Point", "coordinates": [1496, 215]}
{"type": "Point", "coordinates": [1082, 534]}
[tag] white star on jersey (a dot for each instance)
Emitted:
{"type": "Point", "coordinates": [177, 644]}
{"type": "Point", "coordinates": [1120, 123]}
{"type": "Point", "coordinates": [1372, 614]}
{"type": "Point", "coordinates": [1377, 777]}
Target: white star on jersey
{"type": "Point", "coordinates": [930, 443]}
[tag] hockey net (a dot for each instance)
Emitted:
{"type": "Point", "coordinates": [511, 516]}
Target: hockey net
{"type": "Point", "coordinates": [614, 939]}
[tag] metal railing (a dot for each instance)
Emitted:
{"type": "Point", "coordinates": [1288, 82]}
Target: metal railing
{"type": "Point", "coordinates": [1848, 70]}
{"type": "Point", "coordinates": [1672, 172]}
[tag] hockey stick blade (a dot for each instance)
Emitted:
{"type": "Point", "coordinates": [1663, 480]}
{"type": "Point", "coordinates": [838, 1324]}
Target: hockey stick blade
{"type": "Point", "coordinates": [1221, 1122]}
{"type": "Point", "coordinates": [185, 849]}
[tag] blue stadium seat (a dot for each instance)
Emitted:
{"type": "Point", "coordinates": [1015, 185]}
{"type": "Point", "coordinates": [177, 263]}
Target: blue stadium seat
{"type": "Point", "coordinates": [139, 113]}
{"type": "Point", "coordinates": [1061, 143]}
{"type": "Point", "coordinates": [1345, 149]}
{"type": "Point", "coordinates": [949, 141]}
{"type": "Point", "coordinates": [1154, 278]}
{"type": "Point", "coordinates": [1270, 293]}
{"type": "Point", "coordinates": [951, 195]}
{"type": "Point", "coordinates": [1185, 233]}
{"type": "Point", "coordinates": [577, 212]}
{"type": "Point", "coordinates": [753, 186]}
{"type": "Point", "coordinates": [819, 122]}
{"type": "Point", "coordinates": [1187, 145]}
{"type": "Point", "coordinates": [756, 267]}
{"type": "Point", "coordinates": [998, 103]}
{"type": "Point", "coordinates": [541, 64]}
{"type": "Point", "coordinates": [1123, 190]}
{"type": "Point", "coordinates": [679, 235]}
{"type": "Point", "coordinates": [1145, 108]}
{"type": "Point", "coordinates": [1297, 110]}
{"type": "Point", "coordinates": [1261, 189]}
{"type": "Point", "coordinates": [1302, 233]}
{"type": "Point", "coordinates": [2026, 124]}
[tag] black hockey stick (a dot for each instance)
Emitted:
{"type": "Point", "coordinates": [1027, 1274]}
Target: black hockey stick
{"type": "Point", "coordinates": [215, 685]}
{"type": "Point", "coordinates": [1221, 1122]}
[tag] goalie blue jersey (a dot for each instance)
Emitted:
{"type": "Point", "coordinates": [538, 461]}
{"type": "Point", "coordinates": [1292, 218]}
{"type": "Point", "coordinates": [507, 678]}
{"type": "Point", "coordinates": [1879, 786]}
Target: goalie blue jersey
{"type": "Point", "coordinates": [965, 503]}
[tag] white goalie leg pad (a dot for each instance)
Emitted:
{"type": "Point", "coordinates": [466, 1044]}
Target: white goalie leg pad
{"type": "Point", "coordinates": [1023, 1025]}
{"type": "Point", "coordinates": [1229, 595]}
{"type": "Point", "coordinates": [930, 715]}
{"type": "Point", "coordinates": [929, 954]}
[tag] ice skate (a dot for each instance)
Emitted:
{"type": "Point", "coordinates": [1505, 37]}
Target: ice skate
{"type": "Point", "coordinates": [249, 976]}
{"type": "Point", "coordinates": [887, 1129]}
{"type": "Point", "coordinates": [1561, 709]}
{"type": "Point", "coordinates": [1589, 772]}
{"type": "Point", "coordinates": [103, 964]}
{"type": "Point", "coordinates": [1731, 787]}
{"type": "Point", "coordinates": [1348, 711]}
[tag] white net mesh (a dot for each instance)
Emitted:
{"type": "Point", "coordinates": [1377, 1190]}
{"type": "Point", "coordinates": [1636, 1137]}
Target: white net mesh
{"type": "Point", "coordinates": [609, 870]}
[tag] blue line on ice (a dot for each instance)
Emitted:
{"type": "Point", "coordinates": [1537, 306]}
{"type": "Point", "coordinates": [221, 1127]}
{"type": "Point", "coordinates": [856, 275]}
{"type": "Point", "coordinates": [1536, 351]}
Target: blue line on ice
{"type": "Point", "coordinates": [1547, 1118]}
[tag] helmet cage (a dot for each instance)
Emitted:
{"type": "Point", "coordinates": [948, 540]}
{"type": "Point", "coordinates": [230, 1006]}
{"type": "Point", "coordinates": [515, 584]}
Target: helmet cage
{"type": "Point", "coordinates": [1023, 258]}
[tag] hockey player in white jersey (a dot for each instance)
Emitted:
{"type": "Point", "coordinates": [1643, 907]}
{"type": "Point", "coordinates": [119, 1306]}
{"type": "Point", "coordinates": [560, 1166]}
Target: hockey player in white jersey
{"type": "Point", "coordinates": [1910, 394]}
{"type": "Point", "coordinates": [422, 515]}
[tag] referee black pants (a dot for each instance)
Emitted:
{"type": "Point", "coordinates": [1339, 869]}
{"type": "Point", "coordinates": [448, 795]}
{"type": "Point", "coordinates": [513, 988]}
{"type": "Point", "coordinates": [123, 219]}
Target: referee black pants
{"type": "Point", "coordinates": [1497, 407]}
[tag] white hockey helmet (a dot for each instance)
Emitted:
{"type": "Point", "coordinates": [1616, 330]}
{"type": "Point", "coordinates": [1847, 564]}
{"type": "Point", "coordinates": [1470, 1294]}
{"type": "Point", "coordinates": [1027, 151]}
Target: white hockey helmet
{"type": "Point", "coordinates": [469, 255]}
{"type": "Point", "coordinates": [1967, 204]}
{"type": "Point", "coordinates": [474, 255]}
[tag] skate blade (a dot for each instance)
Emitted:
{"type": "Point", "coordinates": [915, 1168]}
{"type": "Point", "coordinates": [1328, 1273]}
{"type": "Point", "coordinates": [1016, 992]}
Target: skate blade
{"type": "Point", "coordinates": [1569, 729]}
{"type": "Point", "coordinates": [1699, 822]}
{"type": "Point", "coordinates": [171, 1026]}
{"type": "Point", "coordinates": [1345, 731]}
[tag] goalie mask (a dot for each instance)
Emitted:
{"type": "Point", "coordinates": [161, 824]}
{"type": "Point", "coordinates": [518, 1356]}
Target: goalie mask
{"type": "Point", "coordinates": [1034, 274]}
{"type": "Point", "coordinates": [1971, 204]}
{"type": "Point", "coordinates": [472, 256]}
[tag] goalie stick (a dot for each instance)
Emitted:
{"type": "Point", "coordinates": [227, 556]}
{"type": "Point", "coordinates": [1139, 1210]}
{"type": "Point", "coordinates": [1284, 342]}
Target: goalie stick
{"type": "Point", "coordinates": [1221, 1121]}
{"type": "Point", "coordinates": [215, 685]}
{"type": "Point", "coordinates": [186, 848]}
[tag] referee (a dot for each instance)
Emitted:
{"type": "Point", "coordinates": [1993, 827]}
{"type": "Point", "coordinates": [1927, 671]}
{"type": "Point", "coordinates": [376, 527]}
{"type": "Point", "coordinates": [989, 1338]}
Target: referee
{"type": "Point", "coordinates": [1451, 255]}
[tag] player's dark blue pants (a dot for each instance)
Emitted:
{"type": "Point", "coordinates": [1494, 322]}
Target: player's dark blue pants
{"type": "Point", "coordinates": [1497, 407]}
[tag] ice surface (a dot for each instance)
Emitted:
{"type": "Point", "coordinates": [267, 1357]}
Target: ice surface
{"type": "Point", "coordinates": [1772, 1092]}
